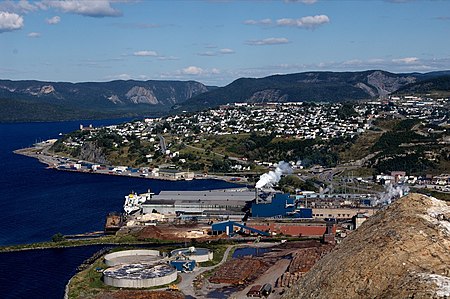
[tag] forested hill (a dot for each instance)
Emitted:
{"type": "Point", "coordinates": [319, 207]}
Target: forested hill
{"type": "Point", "coordinates": [38, 100]}
{"type": "Point", "coordinates": [308, 86]}
{"type": "Point", "coordinates": [46, 101]}
{"type": "Point", "coordinates": [436, 86]}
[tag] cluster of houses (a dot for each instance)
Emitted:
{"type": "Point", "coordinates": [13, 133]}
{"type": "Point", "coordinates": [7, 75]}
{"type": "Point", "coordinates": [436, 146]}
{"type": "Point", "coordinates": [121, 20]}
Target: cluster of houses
{"type": "Point", "coordinates": [283, 119]}
{"type": "Point", "coordinates": [432, 182]}
{"type": "Point", "coordinates": [294, 119]}
{"type": "Point", "coordinates": [426, 109]}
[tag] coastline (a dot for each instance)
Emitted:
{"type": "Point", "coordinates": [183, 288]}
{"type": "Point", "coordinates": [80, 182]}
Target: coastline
{"type": "Point", "coordinates": [40, 151]}
{"type": "Point", "coordinates": [104, 240]}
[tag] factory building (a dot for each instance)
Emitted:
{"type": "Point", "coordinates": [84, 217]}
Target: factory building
{"type": "Point", "coordinates": [299, 229]}
{"type": "Point", "coordinates": [210, 203]}
{"type": "Point", "coordinates": [341, 213]}
{"type": "Point", "coordinates": [175, 174]}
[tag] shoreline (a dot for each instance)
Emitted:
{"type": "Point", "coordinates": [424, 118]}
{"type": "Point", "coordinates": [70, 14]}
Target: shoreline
{"type": "Point", "coordinates": [40, 152]}
{"type": "Point", "coordinates": [80, 243]}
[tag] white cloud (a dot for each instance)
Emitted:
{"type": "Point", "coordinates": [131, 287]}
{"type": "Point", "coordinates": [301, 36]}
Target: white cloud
{"type": "Point", "coordinates": [258, 22]}
{"type": "Point", "coordinates": [223, 51]}
{"type": "Point", "coordinates": [168, 58]}
{"type": "Point", "coordinates": [22, 6]}
{"type": "Point", "coordinates": [10, 21]}
{"type": "Point", "coordinates": [226, 51]}
{"type": "Point", "coordinates": [207, 53]}
{"type": "Point", "coordinates": [119, 77]}
{"type": "Point", "coordinates": [352, 62]}
{"type": "Point", "coordinates": [192, 70]}
{"type": "Point", "coordinates": [196, 71]}
{"type": "Point", "coordinates": [309, 22]}
{"type": "Point", "coordinates": [268, 41]}
{"type": "Point", "coordinates": [145, 53]}
{"type": "Point", "coordinates": [34, 34]}
{"type": "Point", "coordinates": [53, 20]}
{"type": "Point", "coordinates": [90, 8]}
{"type": "Point", "coordinates": [406, 60]}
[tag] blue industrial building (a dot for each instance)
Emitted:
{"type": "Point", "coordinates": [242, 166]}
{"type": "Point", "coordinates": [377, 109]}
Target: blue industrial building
{"type": "Point", "coordinates": [228, 228]}
{"type": "Point", "coordinates": [281, 205]}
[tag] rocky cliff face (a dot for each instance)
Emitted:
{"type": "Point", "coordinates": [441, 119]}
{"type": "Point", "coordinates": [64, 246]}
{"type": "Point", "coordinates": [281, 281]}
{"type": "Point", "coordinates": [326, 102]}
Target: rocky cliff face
{"type": "Point", "coordinates": [141, 95]}
{"type": "Point", "coordinates": [401, 252]}
{"type": "Point", "coordinates": [387, 84]}
{"type": "Point", "coordinates": [91, 152]}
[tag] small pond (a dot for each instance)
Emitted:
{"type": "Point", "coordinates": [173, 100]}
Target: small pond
{"type": "Point", "coordinates": [249, 251]}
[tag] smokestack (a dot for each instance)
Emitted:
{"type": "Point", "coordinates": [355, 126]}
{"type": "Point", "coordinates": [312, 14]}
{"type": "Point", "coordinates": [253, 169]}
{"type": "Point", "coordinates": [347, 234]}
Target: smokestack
{"type": "Point", "coordinates": [272, 177]}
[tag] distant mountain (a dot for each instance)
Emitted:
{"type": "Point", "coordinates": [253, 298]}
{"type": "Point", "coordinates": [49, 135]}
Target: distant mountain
{"type": "Point", "coordinates": [437, 85]}
{"type": "Point", "coordinates": [308, 86]}
{"type": "Point", "coordinates": [40, 101]}
{"type": "Point", "coordinates": [37, 100]}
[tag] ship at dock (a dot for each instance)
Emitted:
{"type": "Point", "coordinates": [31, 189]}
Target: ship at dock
{"type": "Point", "coordinates": [133, 201]}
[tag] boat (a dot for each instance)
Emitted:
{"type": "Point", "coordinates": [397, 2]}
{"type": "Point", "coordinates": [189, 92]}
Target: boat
{"type": "Point", "coordinates": [134, 201]}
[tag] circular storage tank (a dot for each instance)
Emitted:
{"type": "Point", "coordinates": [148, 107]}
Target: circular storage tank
{"type": "Point", "coordinates": [197, 254]}
{"type": "Point", "coordinates": [139, 275]}
{"type": "Point", "coordinates": [131, 257]}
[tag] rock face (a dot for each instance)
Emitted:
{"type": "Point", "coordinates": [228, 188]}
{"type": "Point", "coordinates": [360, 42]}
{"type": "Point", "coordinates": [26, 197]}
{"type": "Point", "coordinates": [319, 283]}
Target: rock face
{"type": "Point", "coordinates": [141, 95]}
{"type": "Point", "coordinates": [91, 152]}
{"type": "Point", "coordinates": [386, 84]}
{"type": "Point", "coordinates": [401, 252]}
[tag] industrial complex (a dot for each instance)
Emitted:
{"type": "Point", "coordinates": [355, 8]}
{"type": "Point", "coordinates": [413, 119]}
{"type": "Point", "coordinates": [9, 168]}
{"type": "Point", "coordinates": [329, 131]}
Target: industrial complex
{"type": "Point", "coordinates": [319, 221]}
{"type": "Point", "coordinates": [264, 212]}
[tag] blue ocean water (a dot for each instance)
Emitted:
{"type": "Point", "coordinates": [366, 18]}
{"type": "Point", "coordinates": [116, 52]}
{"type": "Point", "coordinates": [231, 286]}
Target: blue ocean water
{"type": "Point", "coordinates": [40, 274]}
{"type": "Point", "coordinates": [36, 203]}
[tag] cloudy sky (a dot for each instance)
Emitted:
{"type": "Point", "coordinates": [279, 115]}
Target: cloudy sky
{"type": "Point", "coordinates": [218, 41]}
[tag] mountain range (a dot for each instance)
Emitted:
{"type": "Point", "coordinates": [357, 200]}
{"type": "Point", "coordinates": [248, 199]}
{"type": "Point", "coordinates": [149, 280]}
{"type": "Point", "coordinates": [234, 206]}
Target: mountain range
{"type": "Point", "coordinates": [38, 100]}
{"type": "Point", "coordinates": [319, 87]}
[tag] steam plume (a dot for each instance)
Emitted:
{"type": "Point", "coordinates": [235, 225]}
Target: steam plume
{"type": "Point", "coordinates": [391, 193]}
{"type": "Point", "coordinates": [272, 177]}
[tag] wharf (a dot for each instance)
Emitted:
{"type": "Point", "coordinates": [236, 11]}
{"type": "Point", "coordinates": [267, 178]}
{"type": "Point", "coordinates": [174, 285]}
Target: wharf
{"type": "Point", "coordinates": [41, 152]}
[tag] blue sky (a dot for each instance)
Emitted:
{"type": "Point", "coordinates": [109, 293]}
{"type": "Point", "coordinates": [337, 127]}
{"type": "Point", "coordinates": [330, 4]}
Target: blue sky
{"type": "Point", "coordinates": [216, 42]}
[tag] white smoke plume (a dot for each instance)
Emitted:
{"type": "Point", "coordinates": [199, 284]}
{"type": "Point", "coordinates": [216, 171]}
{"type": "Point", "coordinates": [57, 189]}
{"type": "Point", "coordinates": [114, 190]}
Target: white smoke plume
{"type": "Point", "coordinates": [391, 193]}
{"type": "Point", "coordinates": [272, 177]}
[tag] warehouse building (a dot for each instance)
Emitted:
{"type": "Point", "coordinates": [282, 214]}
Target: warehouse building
{"type": "Point", "coordinates": [210, 203]}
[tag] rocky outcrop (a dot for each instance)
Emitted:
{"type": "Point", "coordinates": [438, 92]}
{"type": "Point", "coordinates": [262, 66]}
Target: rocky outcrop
{"type": "Point", "coordinates": [46, 89]}
{"type": "Point", "coordinates": [115, 99]}
{"type": "Point", "coordinates": [91, 152]}
{"type": "Point", "coordinates": [141, 95]}
{"type": "Point", "coordinates": [387, 84]}
{"type": "Point", "coordinates": [268, 95]}
{"type": "Point", "coordinates": [401, 252]}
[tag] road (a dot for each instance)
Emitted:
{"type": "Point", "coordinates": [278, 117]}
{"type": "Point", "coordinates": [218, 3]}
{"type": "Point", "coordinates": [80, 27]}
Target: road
{"type": "Point", "coordinates": [270, 276]}
{"type": "Point", "coordinates": [187, 279]}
